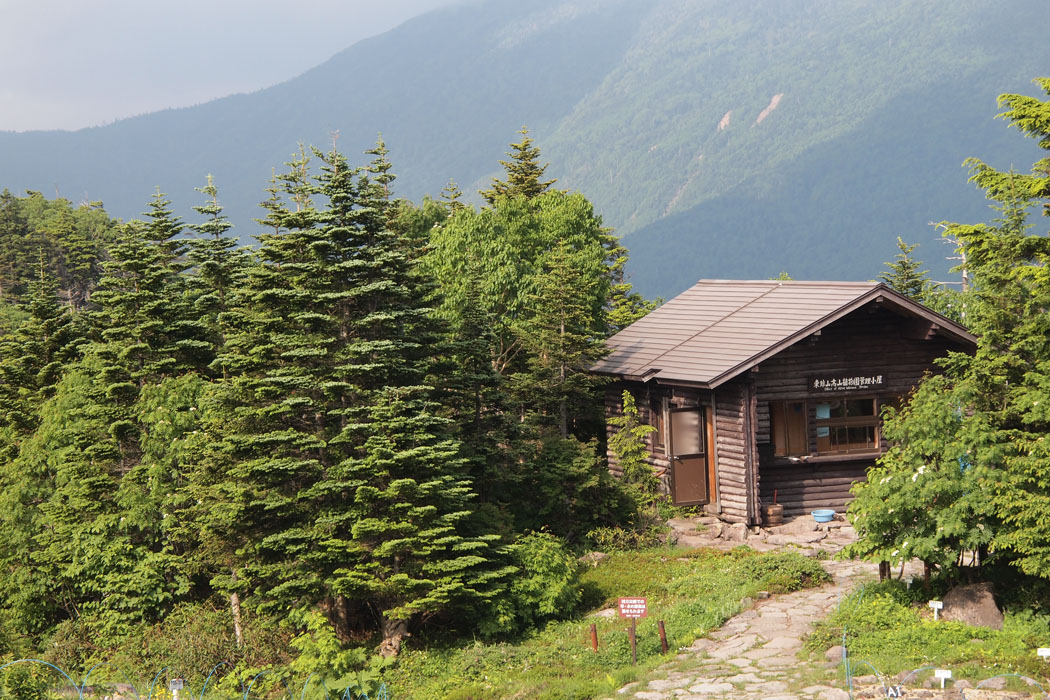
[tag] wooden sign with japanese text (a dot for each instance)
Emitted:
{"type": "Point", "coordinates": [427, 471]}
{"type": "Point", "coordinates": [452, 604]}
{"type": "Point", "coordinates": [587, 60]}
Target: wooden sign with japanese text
{"type": "Point", "coordinates": [633, 608]}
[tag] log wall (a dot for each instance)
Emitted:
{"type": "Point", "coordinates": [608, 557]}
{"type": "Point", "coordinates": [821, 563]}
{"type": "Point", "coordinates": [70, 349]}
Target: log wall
{"type": "Point", "coordinates": [870, 339]}
{"type": "Point", "coordinates": [734, 452]}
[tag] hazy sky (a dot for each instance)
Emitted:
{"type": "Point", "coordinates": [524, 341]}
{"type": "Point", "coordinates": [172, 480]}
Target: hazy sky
{"type": "Point", "coordinates": [67, 64]}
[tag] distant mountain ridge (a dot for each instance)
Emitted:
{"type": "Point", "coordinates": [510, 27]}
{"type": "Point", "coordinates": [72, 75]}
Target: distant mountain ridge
{"type": "Point", "coordinates": [724, 139]}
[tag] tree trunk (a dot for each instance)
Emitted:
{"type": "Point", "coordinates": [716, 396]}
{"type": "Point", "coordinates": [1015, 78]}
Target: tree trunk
{"type": "Point", "coordinates": [394, 632]}
{"type": "Point", "coordinates": [235, 611]}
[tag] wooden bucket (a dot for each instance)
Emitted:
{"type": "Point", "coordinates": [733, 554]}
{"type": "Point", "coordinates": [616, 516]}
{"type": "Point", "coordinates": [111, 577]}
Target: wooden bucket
{"type": "Point", "coordinates": [772, 514]}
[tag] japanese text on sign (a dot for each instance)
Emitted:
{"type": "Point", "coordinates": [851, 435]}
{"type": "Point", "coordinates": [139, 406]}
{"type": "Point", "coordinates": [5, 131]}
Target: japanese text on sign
{"type": "Point", "coordinates": [846, 383]}
{"type": "Point", "coordinates": [633, 607]}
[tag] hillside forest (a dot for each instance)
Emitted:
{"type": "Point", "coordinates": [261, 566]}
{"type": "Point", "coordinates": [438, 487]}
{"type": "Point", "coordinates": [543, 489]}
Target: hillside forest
{"type": "Point", "coordinates": [376, 427]}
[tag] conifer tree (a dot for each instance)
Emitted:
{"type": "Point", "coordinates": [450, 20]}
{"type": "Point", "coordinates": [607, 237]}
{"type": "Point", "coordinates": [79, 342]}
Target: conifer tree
{"type": "Point", "coordinates": [905, 274]}
{"type": "Point", "coordinates": [524, 173]}
{"type": "Point", "coordinates": [356, 488]}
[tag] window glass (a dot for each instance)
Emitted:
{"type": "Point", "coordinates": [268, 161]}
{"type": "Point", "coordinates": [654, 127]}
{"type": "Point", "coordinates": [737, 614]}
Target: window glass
{"type": "Point", "coordinates": [847, 425]}
{"type": "Point", "coordinates": [656, 413]}
{"type": "Point", "coordinates": [685, 432]}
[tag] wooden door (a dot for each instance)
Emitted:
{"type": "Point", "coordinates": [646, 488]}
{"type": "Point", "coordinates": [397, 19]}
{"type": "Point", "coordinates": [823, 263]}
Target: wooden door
{"type": "Point", "coordinates": [688, 457]}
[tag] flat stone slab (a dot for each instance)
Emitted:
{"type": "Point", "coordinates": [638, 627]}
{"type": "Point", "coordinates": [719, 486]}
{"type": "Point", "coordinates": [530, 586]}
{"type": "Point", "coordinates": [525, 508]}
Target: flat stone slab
{"type": "Point", "coordinates": [711, 688]}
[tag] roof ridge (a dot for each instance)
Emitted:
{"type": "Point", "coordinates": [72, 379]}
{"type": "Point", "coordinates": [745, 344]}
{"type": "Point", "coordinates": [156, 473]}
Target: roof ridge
{"type": "Point", "coordinates": [737, 309]}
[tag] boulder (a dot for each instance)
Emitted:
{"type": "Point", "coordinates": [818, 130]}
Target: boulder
{"type": "Point", "coordinates": [683, 524]}
{"type": "Point", "coordinates": [973, 605]}
{"type": "Point", "coordinates": [833, 656]}
{"type": "Point", "coordinates": [737, 532]}
{"type": "Point", "coordinates": [593, 558]}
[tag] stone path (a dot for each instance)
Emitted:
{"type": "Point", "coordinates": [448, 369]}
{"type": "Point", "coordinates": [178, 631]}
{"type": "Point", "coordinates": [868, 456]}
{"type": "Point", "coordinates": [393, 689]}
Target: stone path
{"type": "Point", "coordinates": [754, 655]}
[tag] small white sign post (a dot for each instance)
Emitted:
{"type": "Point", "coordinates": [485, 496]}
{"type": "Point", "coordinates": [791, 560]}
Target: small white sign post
{"type": "Point", "coordinates": [943, 674]}
{"type": "Point", "coordinates": [937, 606]}
{"type": "Point", "coordinates": [175, 685]}
{"type": "Point", "coordinates": [1044, 652]}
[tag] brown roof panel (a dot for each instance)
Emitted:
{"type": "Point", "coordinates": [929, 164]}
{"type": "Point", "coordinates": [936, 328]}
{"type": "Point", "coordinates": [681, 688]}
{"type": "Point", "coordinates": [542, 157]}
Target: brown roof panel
{"type": "Point", "coordinates": [718, 328]}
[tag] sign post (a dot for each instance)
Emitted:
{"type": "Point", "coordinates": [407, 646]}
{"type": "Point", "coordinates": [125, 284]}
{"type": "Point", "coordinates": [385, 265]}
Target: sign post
{"type": "Point", "coordinates": [937, 605]}
{"type": "Point", "coordinates": [631, 609]}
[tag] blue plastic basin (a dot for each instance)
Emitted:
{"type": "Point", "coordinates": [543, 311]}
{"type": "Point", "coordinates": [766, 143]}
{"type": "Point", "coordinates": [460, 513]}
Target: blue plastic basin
{"type": "Point", "coordinates": [823, 515]}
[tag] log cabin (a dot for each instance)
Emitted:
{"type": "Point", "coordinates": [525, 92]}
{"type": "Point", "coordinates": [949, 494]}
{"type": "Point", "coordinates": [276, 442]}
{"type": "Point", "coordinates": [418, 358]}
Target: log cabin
{"type": "Point", "coordinates": [763, 388]}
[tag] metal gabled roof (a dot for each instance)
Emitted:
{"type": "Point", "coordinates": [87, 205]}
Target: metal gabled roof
{"type": "Point", "coordinates": [717, 329]}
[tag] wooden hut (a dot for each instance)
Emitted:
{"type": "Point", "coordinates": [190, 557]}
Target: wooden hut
{"type": "Point", "coordinates": [757, 387]}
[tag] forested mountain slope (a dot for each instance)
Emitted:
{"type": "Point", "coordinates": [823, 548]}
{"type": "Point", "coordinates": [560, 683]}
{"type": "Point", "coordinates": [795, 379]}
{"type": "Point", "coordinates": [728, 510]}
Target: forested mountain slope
{"type": "Point", "coordinates": [722, 138]}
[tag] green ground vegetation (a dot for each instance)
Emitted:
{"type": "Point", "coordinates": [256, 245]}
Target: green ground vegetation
{"type": "Point", "coordinates": [889, 625]}
{"type": "Point", "coordinates": [692, 591]}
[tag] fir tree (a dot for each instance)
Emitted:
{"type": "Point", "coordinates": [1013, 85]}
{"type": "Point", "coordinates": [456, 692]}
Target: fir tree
{"type": "Point", "coordinates": [524, 173]}
{"type": "Point", "coordinates": [905, 274]}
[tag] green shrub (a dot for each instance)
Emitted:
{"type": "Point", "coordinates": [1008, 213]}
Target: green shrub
{"type": "Point", "coordinates": [620, 539]}
{"type": "Point", "coordinates": [783, 572]}
{"type": "Point", "coordinates": [547, 585]}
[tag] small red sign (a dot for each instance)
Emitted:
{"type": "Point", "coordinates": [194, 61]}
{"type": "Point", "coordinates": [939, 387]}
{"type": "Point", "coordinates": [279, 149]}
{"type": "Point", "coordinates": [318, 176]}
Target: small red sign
{"type": "Point", "coordinates": [633, 607]}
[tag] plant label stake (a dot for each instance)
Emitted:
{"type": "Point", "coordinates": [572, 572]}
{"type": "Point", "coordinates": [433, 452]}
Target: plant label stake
{"type": "Point", "coordinates": [594, 637]}
{"type": "Point", "coordinates": [943, 674]}
{"type": "Point", "coordinates": [937, 605]}
{"type": "Point", "coordinates": [632, 609]}
{"type": "Point", "coordinates": [1044, 652]}
{"type": "Point", "coordinates": [175, 685]}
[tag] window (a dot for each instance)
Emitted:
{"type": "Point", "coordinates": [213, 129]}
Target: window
{"type": "Point", "coordinates": [839, 426]}
{"type": "Point", "coordinates": [846, 425]}
{"type": "Point", "coordinates": [656, 413]}
{"type": "Point", "coordinates": [788, 426]}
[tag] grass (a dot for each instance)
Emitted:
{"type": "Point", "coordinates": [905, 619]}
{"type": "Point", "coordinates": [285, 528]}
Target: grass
{"type": "Point", "coordinates": [692, 591]}
{"type": "Point", "coordinates": [888, 625]}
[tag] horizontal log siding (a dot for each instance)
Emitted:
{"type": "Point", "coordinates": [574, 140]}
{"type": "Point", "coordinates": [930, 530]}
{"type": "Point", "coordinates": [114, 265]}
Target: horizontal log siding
{"type": "Point", "coordinates": [805, 487]}
{"type": "Point", "coordinates": [731, 447]}
{"type": "Point", "coordinates": [868, 339]}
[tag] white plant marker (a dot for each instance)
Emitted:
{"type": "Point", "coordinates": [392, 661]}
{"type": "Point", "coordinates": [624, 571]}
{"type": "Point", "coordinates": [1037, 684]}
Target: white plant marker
{"type": "Point", "coordinates": [1043, 652]}
{"type": "Point", "coordinates": [943, 674]}
{"type": "Point", "coordinates": [937, 605]}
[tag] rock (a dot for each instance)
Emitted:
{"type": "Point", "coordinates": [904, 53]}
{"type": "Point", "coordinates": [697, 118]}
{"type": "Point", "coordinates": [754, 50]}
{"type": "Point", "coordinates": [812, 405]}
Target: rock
{"type": "Point", "coordinates": [834, 654]}
{"type": "Point", "coordinates": [973, 605]}
{"type": "Point", "coordinates": [810, 537]}
{"type": "Point", "coordinates": [762, 595]}
{"type": "Point", "coordinates": [593, 558]}
{"type": "Point", "coordinates": [833, 694]}
{"type": "Point", "coordinates": [628, 688]}
{"type": "Point", "coordinates": [997, 683]}
{"type": "Point", "coordinates": [682, 524]}
{"type": "Point", "coordinates": [693, 541]}
{"type": "Point", "coordinates": [607, 612]}
{"type": "Point", "coordinates": [797, 526]}
{"type": "Point", "coordinates": [737, 532]}
{"type": "Point", "coordinates": [962, 684]}
{"type": "Point", "coordinates": [711, 688]}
